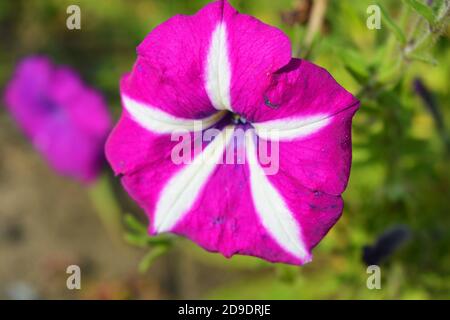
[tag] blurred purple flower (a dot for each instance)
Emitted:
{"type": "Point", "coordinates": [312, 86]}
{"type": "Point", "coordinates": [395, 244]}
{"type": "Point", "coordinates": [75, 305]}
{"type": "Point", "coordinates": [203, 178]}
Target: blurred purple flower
{"type": "Point", "coordinates": [66, 121]}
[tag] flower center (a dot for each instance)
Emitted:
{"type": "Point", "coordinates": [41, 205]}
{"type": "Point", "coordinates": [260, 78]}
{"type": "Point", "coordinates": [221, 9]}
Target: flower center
{"type": "Point", "coordinates": [48, 106]}
{"type": "Point", "coordinates": [238, 119]}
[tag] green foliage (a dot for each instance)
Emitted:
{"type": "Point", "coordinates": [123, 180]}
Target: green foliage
{"type": "Point", "coordinates": [390, 23]}
{"type": "Point", "coordinates": [137, 236]}
{"type": "Point", "coordinates": [422, 9]}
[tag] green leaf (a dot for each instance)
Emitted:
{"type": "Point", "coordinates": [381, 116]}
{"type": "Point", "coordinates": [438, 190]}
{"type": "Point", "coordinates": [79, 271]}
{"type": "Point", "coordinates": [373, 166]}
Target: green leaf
{"type": "Point", "coordinates": [150, 257]}
{"type": "Point", "coordinates": [143, 240]}
{"type": "Point", "coordinates": [105, 203]}
{"type": "Point", "coordinates": [161, 239]}
{"type": "Point", "coordinates": [437, 6]}
{"type": "Point", "coordinates": [390, 72]}
{"type": "Point", "coordinates": [392, 25]}
{"type": "Point", "coordinates": [134, 224]}
{"type": "Point", "coordinates": [423, 58]}
{"type": "Point", "coordinates": [354, 63]}
{"type": "Point", "coordinates": [287, 274]}
{"type": "Point", "coordinates": [422, 9]}
{"type": "Point", "coordinates": [135, 240]}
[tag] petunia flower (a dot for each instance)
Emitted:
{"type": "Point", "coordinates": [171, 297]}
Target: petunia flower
{"type": "Point", "coordinates": [230, 71]}
{"type": "Point", "coordinates": [67, 122]}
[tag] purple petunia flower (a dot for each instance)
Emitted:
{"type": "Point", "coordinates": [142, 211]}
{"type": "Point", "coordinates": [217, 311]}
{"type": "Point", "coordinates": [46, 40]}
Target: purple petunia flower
{"type": "Point", "coordinates": [65, 120]}
{"type": "Point", "coordinates": [230, 72]}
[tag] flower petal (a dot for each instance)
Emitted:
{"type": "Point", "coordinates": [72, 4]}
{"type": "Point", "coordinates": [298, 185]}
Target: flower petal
{"type": "Point", "coordinates": [170, 70]}
{"type": "Point", "coordinates": [301, 90]}
{"type": "Point", "coordinates": [313, 123]}
{"type": "Point", "coordinates": [218, 69]}
{"type": "Point", "coordinates": [253, 51]}
{"type": "Point", "coordinates": [131, 148]}
{"type": "Point", "coordinates": [211, 204]}
{"type": "Point", "coordinates": [242, 211]}
{"type": "Point", "coordinates": [190, 66]}
{"type": "Point", "coordinates": [227, 217]}
{"type": "Point", "coordinates": [292, 128]}
{"type": "Point", "coordinates": [144, 161]}
{"type": "Point", "coordinates": [223, 219]}
{"type": "Point", "coordinates": [271, 208]}
{"type": "Point", "coordinates": [180, 191]}
{"type": "Point", "coordinates": [315, 211]}
{"type": "Point", "coordinates": [156, 120]}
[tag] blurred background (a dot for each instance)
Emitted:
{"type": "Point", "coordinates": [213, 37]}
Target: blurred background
{"type": "Point", "coordinates": [397, 211]}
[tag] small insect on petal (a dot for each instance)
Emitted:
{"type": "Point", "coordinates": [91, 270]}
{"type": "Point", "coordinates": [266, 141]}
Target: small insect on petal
{"type": "Point", "coordinates": [270, 104]}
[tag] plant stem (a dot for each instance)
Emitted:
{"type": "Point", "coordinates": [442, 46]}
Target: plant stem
{"type": "Point", "coordinates": [315, 21]}
{"type": "Point", "coordinates": [107, 207]}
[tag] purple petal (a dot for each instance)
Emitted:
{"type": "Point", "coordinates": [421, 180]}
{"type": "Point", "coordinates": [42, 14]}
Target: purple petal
{"type": "Point", "coordinates": [189, 66]}
{"type": "Point", "coordinates": [318, 154]}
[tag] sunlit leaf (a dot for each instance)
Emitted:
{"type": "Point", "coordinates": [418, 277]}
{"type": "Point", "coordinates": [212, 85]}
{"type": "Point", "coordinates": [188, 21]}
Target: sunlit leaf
{"type": "Point", "coordinates": [355, 64]}
{"type": "Point", "coordinates": [134, 224]}
{"type": "Point", "coordinates": [392, 25]}
{"type": "Point", "coordinates": [423, 58]}
{"type": "Point", "coordinates": [135, 240]}
{"type": "Point", "coordinates": [422, 9]}
{"type": "Point", "coordinates": [151, 256]}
